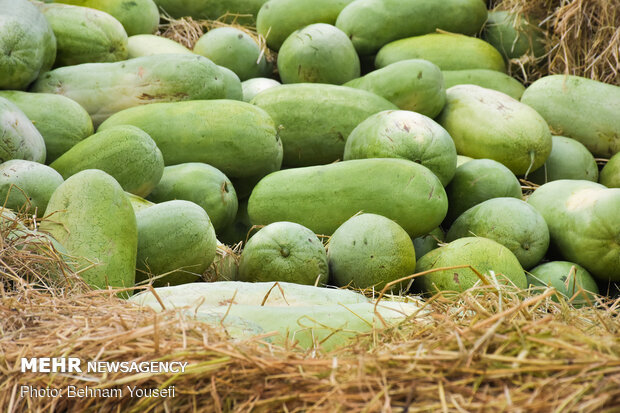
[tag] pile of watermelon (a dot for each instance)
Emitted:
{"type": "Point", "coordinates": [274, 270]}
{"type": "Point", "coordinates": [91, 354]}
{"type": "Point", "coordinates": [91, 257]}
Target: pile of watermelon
{"type": "Point", "coordinates": [385, 140]}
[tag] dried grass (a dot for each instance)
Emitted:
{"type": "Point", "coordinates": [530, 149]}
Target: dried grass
{"type": "Point", "coordinates": [583, 38]}
{"type": "Point", "coordinates": [225, 264]}
{"type": "Point", "coordinates": [28, 258]}
{"type": "Point", "coordinates": [483, 350]}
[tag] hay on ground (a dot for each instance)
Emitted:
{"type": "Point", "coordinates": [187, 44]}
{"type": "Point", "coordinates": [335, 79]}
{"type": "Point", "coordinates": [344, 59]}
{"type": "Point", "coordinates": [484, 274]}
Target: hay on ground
{"type": "Point", "coordinates": [484, 350]}
{"type": "Point", "coordinates": [487, 349]}
{"type": "Point", "coordinates": [583, 38]}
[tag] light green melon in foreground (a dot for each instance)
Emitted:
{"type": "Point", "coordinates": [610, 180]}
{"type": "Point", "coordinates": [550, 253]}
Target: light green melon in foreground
{"type": "Point", "coordinates": [584, 224]}
{"type": "Point", "coordinates": [610, 174]}
{"type": "Point", "coordinates": [407, 135]}
{"type": "Point", "coordinates": [483, 254]}
{"type": "Point", "coordinates": [175, 238]}
{"type": "Point", "coordinates": [370, 251]}
{"type": "Point", "coordinates": [27, 183]}
{"type": "Point", "coordinates": [566, 277]}
{"type": "Point", "coordinates": [284, 251]}
{"type": "Point", "coordinates": [93, 219]}
{"type": "Point", "coordinates": [203, 185]}
{"type": "Point", "coordinates": [509, 221]}
{"type": "Point", "coordinates": [141, 45]}
{"type": "Point", "coordinates": [125, 152]}
{"type": "Point", "coordinates": [312, 317]}
{"type": "Point", "coordinates": [416, 85]}
{"type": "Point", "coordinates": [19, 139]}
{"type": "Point", "coordinates": [485, 123]}
{"type": "Point", "coordinates": [568, 159]}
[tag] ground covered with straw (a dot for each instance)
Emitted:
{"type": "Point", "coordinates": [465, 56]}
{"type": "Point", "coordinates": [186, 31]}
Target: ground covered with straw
{"type": "Point", "coordinates": [483, 350]}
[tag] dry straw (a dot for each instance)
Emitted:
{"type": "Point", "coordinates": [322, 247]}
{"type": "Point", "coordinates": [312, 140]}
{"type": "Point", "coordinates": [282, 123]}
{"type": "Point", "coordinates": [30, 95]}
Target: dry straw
{"type": "Point", "coordinates": [484, 350]}
{"type": "Point", "coordinates": [583, 38]}
{"type": "Point", "coordinates": [187, 31]}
